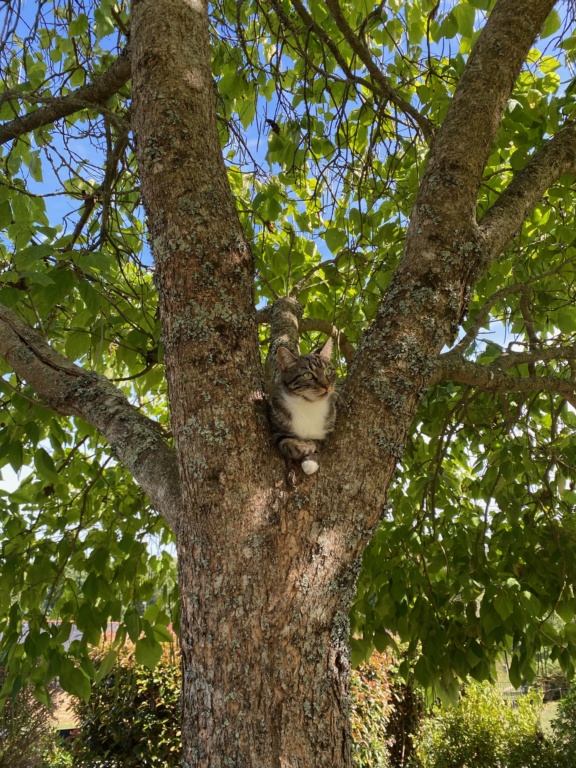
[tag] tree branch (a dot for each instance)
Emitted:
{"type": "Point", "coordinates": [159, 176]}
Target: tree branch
{"type": "Point", "coordinates": [383, 87]}
{"type": "Point", "coordinates": [304, 281]}
{"type": "Point", "coordinates": [386, 89]}
{"type": "Point", "coordinates": [71, 391]}
{"type": "Point", "coordinates": [502, 221]}
{"type": "Point", "coordinates": [325, 326]}
{"type": "Point", "coordinates": [449, 190]}
{"type": "Point", "coordinates": [484, 312]}
{"type": "Point", "coordinates": [284, 317]}
{"type": "Point", "coordinates": [95, 93]}
{"type": "Point", "coordinates": [305, 324]}
{"type": "Point", "coordinates": [493, 378]}
{"type": "Point", "coordinates": [545, 355]}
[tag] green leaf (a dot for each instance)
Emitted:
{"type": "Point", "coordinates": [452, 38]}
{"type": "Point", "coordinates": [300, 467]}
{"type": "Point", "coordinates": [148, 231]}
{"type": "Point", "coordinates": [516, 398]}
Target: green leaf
{"type": "Point", "coordinates": [448, 28]}
{"type": "Point", "coordinates": [464, 14]}
{"type": "Point", "coordinates": [106, 665]}
{"type": "Point", "coordinates": [45, 466]}
{"type": "Point", "coordinates": [514, 673]}
{"type": "Point", "coordinates": [162, 633]}
{"type": "Point", "coordinates": [148, 652]}
{"type": "Point", "coordinates": [74, 681]}
{"type": "Point", "coordinates": [504, 606]}
{"type": "Point", "coordinates": [335, 239]}
{"type": "Point", "coordinates": [35, 166]}
{"type": "Point", "coordinates": [132, 622]}
{"type": "Point", "coordinates": [551, 25]}
{"type": "Point", "coordinates": [77, 345]}
{"type": "Point", "coordinates": [5, 214]}
{"type": "Point", "coordinates": [39, 278]}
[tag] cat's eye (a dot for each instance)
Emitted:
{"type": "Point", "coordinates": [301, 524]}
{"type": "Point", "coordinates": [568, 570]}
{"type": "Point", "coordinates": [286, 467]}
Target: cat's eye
{"type": "Point", "coordinates": [307, 375]}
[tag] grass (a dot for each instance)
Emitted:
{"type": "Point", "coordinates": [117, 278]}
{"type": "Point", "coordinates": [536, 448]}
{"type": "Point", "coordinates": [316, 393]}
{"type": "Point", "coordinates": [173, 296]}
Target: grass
{"type": "Point", "coordinates": [549, 712]}
{"type": "Point", "coordinates": [63, 713]}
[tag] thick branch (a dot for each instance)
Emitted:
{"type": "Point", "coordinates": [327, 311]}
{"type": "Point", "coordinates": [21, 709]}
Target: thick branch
{"type": "Point", "coordinates": [449, 189]}
{"type": "Point", "coordinates": [284, 318]}
{"type": "Point", "coordinates": [545, 355]}
{"type": "Point", "coordinates": [95, 93]}
{"type": "Point", "coordinates": [492, 378]}
{"type": "Point", "coordinates": [71, 391]}
{"type": "Point", "coordinates": [502, 221]}
{"type": "Point", "coordinates": [325, 326]}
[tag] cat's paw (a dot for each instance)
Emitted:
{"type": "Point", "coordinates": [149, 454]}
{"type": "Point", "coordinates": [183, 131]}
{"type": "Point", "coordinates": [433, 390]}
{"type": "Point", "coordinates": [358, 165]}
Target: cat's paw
{"type": "Point", "coordinates": [309, 466]}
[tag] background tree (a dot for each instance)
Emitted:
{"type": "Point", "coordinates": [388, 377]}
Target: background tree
{"type": "Point", "coordinates": [412, 194]}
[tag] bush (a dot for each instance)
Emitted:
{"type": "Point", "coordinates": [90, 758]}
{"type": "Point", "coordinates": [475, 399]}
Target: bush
{"type": "Point", "coordinates": [564, 727]}
{"type": "Point", "coordinates": [58, 757]}
{"type": "Point", "coordinates": [26, 730]}
{"type": "Point", "coordinates": [486, 732]}
{"type": "Point", "coordinates": [132, 719]}
{"type": "Point", "coordinates": [371, 707]}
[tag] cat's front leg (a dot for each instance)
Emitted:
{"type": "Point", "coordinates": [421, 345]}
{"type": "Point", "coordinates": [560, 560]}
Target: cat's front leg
{"type": "Point", "coordinates": [306, 450]}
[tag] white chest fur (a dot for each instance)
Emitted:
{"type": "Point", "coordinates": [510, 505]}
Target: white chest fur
{"type": "Point", "coordinates": [308, 418]}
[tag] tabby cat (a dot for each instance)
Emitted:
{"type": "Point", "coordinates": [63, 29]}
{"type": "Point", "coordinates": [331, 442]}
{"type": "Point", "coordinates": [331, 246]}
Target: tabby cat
{"type": "Point", "coordinates": [302, 407]}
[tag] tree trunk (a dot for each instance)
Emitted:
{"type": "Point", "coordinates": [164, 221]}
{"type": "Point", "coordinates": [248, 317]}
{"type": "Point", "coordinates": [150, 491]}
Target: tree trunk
{"type": "Point", "coordinates": [265, 673]}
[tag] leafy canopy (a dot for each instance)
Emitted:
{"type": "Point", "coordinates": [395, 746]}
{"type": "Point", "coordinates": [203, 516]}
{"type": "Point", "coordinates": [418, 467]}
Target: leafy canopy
{"type": "Point", "coordinates": [326, 136]}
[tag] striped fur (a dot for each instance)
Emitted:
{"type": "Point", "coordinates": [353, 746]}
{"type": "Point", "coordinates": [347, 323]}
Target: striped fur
{"type": "Point", "coordinates": [302, 407]}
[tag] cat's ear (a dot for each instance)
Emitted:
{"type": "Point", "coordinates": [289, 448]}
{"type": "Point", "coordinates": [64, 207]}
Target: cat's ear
{"type": "Point", "coordinates": [326, 350]}
{"type": "Point", "coordinates": [285, 358]}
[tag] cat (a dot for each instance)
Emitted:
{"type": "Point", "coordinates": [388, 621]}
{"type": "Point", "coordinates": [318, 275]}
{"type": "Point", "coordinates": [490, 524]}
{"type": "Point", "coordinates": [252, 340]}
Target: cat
{"type": "Point", "coordinates": [302, 407]}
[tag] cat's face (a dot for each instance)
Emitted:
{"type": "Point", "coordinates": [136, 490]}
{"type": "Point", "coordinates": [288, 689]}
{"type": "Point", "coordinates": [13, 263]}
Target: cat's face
{"type": "Point", "coordinates": [309, 376]}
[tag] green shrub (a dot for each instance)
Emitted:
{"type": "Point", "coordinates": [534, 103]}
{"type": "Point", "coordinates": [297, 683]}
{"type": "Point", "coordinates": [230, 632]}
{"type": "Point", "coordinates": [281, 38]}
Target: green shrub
{"type": "Point", "coordinates": [564, 728]}
{"type": "Point", "coordinates": [58, 756]}
{"type": "Point", "coordinates": [132, 719]}
{"type": "Point", "coordinates": [26, 730]}
{"type": "Point", "coordinates": [371, 707]}
{"type": "Point", "coordinates": [484, 731]}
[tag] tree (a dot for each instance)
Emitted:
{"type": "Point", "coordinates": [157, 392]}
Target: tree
{"type": "Point", "coordinates": [416, 190]}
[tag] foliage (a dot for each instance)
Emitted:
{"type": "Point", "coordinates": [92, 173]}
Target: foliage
{"type": "Point", "coordinates": [484, 731]}
{"type": "Point", "coordinates": [478, 548]}
{"type": "Point", "coordinates": [552, 682]}
{"type": "Point", "coordinates": [370, 690]}
{"type": "Point", "coordinates": [565, 728]}
{"type": "Point", "coordinates": [132, 718]}
{"type": "Point", "coordinates": [102, 547]}
{"type": "Point", "coordinates": [59, 756]}
{"type": "Point", "coordinates": [26, 730]}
